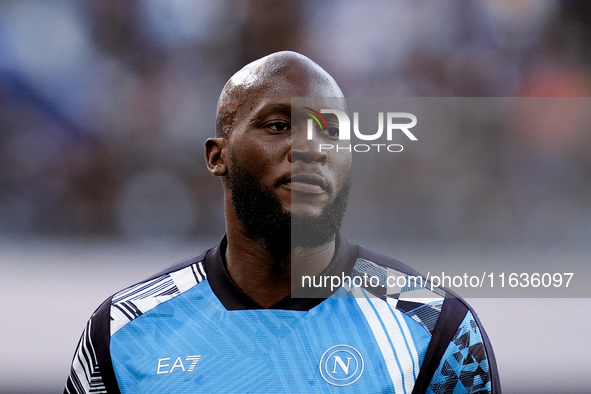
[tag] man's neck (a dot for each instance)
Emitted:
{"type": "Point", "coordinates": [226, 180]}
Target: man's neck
{"type": "Point", "coordinates": [266, 275]}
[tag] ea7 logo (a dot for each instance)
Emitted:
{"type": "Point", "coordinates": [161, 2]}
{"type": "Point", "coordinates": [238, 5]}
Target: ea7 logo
{"type": "Point", "coordinates": [179, 365]}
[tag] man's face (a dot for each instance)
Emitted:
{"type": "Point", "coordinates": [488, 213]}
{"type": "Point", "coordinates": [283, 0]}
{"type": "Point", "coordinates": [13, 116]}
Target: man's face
{"type": "Point", "coordinates": [275, 172]}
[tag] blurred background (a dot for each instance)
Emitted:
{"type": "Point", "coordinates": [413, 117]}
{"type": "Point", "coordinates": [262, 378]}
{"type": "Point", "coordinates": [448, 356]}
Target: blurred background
{"type": "Point", "coordinates": [105, 105]}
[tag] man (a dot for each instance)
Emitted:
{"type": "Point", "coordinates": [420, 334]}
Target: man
{"type": "Point", "coordinates": [226, 320]}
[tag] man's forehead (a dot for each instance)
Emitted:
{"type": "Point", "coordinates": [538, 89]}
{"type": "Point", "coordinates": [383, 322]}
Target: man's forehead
{"type": "Point", "coordinates": [273, 79]}
{"type": "Point", "coordinates": [288, 105]}
{"type": "Point", "coordinates": [276, 94]}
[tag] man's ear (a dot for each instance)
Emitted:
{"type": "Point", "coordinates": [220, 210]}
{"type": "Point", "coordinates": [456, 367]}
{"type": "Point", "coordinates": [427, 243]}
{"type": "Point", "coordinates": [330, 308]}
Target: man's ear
{"type": "Point", "coordinates": [215, 156]}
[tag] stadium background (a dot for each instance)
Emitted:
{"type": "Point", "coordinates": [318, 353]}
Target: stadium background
{"type": "Point", "coordinates": [104, 106]}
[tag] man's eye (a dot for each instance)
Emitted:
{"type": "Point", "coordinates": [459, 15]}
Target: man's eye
{"type": "Point", "coordinates": [332, 132]}
{"type": "Point", "coordinates": [279, 126]}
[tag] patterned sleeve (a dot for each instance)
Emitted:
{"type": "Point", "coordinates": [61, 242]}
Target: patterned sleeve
{"type": "Point", "coordinates": [464, 367]}
{"type": "Point", "coordinates": [92, 370]}
{"type": "Point", "coordinates": [85, 376]}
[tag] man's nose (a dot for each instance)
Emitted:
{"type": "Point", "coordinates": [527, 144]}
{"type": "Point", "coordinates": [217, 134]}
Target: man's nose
{"type": "Point", "coordinates": [304, 149]}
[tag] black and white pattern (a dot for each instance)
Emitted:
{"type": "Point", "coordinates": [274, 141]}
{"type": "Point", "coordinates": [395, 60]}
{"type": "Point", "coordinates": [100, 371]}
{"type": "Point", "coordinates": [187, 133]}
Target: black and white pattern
{"type": "Point", "coordinates": [128, 304]}
{"type": "Point", "coordinates": [139, 299]}
{"type": "Point", "coordinates": [426, 315]}
{"type": "Point", "coordinates": [416, 300]}
{"type": "Point", "coordinates": [85, 375]}
{"type": "Point", "coordinates": [465, 367]}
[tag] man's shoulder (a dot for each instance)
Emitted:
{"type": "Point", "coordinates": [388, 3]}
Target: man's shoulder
{"type": "Point", "coordinates": [385, 261]}
{"type": "Point", "coordinates": [459, 344]}
{"type": "Point", "coordinates": [401, 281]}
{"type": "Point", "coordinates": [141, 297]}
{"type": "Point", "coordinates": [180, 265]}
{"type": "Point", "coordinates": [131, 302]}
{"type": "Point", "coordinates": [401, 286]}
{"type": "Point", "coordinates": [92, 365]}
{"type": "Point", "coordinates": [173, 277]}
{"type": "Point", "coordinates": [409, 290]}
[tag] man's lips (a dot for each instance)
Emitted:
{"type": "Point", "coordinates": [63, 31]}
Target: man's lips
{"type": "Point", "coordinates": [306, 183]}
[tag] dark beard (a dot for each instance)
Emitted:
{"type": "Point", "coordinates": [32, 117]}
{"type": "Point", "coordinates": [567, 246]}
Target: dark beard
{"type": "Point", "coordinates": [265, 219]}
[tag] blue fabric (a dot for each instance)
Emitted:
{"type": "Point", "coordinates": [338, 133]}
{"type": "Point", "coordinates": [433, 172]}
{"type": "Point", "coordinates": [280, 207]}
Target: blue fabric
{"type": "Point", "coordinates": [260, 350]}
{"type": "Point", "coordinates": [464, 367]}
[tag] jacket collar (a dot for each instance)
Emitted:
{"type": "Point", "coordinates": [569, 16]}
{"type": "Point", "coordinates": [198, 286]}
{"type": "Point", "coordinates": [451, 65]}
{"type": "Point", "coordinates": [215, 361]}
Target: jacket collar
{"type": "Point", "coordinates": [233, 298]}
